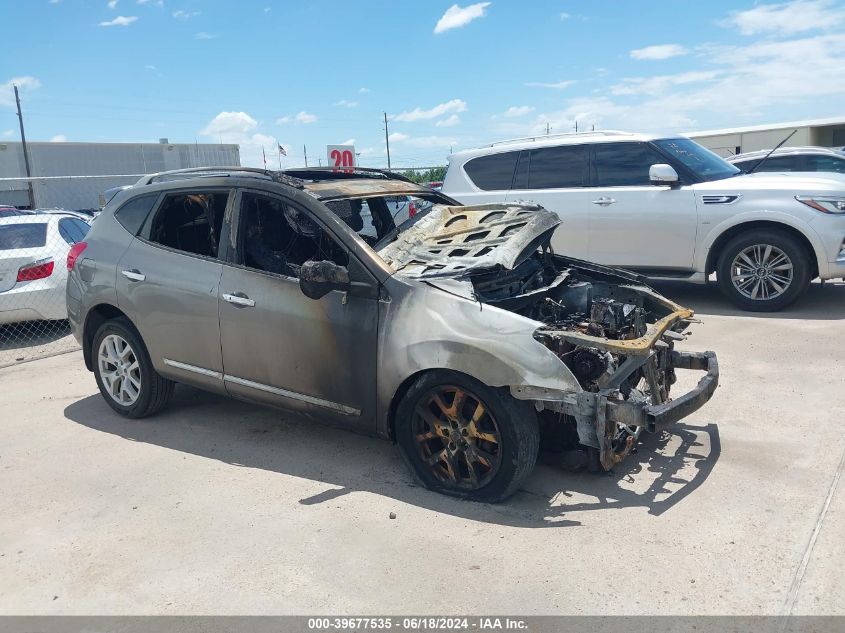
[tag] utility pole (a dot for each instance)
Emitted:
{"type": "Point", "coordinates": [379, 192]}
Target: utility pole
{"type": "Point", "coordinates": [305, 151]}
{"type": "Point", "coordinates": [576, 127]}
{"type": "Point", "coordinates": [387, 141]}
{"type": "Point", "coordinates": [548, 129]}
{"type": "Point", "coordinates": [25, 152]}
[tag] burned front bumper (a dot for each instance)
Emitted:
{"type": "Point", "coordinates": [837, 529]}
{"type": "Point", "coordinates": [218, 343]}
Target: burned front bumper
{"type": "Point", "coordinates": [611, 424]}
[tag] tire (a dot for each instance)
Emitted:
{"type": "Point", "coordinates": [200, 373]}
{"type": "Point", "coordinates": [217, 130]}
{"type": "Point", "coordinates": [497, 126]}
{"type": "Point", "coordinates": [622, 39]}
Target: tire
{"type": "Point", "coordinates": [141, 390]}
{"type": "Point", "coordinates": [760, 259]}
{"type": "Point", "coordinates": [475, 467]}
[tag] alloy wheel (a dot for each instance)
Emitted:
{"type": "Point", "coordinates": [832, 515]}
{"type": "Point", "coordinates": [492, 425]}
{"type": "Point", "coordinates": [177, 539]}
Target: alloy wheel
{"type": "Point", "coordinates": [119, 370]}
{"type": "Point", "coordinates": [457, 437]}
{"type": "Point", "coordinates": [761, 272]}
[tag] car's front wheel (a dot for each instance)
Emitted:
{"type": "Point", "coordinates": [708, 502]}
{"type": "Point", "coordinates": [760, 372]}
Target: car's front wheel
{"type": "Point", "coordinates": [124, 372]}
{"type": "Point", "coordinates": [463, 438]}
{"type": "Point", "coordinates": [763, 270]}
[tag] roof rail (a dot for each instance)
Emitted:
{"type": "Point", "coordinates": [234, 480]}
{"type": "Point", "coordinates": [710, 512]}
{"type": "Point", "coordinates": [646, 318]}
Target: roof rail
{"type": "Point", "coordinates": [540, 137]}
{"type": "Point", "coordinates": [333, 173]}
{"type": "Point", "coordinates": [219, 171]}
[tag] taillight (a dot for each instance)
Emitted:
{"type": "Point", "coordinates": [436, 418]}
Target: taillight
{"type": "Point", "coordinates": [412, 210]}
{"type": "Point", "coordinates": [74, 253]}
{"type": "Point", "coordinates": [39, 270]}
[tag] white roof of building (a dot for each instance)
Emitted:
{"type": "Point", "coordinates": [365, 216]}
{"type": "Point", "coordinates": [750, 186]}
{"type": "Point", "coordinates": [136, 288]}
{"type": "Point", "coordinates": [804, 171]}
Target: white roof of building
{"type": "Point", "coordinates": [771, 126]}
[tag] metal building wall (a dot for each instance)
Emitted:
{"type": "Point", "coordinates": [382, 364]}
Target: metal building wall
{"type": "Point", "coordinates": [97, 159]}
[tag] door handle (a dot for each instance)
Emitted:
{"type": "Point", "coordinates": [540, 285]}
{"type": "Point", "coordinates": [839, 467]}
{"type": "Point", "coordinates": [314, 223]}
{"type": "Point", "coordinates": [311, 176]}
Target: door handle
{"type": "Point", "coordinates": [239, 299]}
{"type": "Point", "coordinates": [604, 201]}
{"type": "Point", "coordinates": [133, 275]}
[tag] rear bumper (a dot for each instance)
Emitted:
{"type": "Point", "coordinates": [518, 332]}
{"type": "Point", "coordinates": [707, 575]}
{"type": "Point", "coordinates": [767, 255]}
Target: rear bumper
{"type": "Point", "coordinates": [27, 303]}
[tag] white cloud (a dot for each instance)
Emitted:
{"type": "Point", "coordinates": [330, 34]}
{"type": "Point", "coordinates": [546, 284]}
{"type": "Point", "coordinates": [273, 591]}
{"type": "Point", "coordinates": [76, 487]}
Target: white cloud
{"type": "Point", "coordinates": [421, 141]}
{"type": "Point", "coordinates": [345, 103]}
{"type": "Point", "coordinates": [517, 111]}
{"type": "Point", "coordinates": [150, 67]}
{"type": "Point", "coordinates": [557, 85]}
{"type": "Point", "coordinates": [180, 14]}
{"type": "Point", "coordinates": [202, 35]}
{"type": "Point", "coordinates": [59, 138]}
{"type": "Point", "coordinates": [457, 16]}
{"type": "Point", "coordinates": [659, 83]}
{"type": "Point", "coordinates": [449, 121]}
{"type": "Point", "coordinates": [120, 20]}
{"type": "Point", "coordinates": [112, 4]}
{"type": "Point", "coordinates": [8, 133]}
{"type": "Point", "coordinates": [398, 137]}
{"type": "Point", "coordinates": [349, 141]}
{"type": "Point", "coordinates": [305, 118]}
{"type": "Point", "coordinates": [158, 3]}
{"type": "Point", "coordinates": [418, 114]}
{"type": "Point", "coordinates": [659, 51]}
{"type": "Point", "coordinates": [564, 16]}
{"type": "Point", "coordinates": [230, 125]}
{"type": "Point", "coordinates": [363, 90]}
{"type": "Point", "coordinates": [284, 120]}
{"type": "Point", "coordinates": [24, 84]}
{"type": "Point", "coordinates": [787, 18]}
{"type": "Point", "coordinates": [241, 128]}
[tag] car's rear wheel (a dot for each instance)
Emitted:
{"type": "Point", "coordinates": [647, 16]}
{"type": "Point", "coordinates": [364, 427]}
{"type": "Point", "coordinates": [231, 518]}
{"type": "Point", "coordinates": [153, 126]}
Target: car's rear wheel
{"type": "Point", "coordinates": [763, 271]}
{"type": "Point", "coordinates": [124, 372]}
{"type": "Point", "coordinates": [463, 438]}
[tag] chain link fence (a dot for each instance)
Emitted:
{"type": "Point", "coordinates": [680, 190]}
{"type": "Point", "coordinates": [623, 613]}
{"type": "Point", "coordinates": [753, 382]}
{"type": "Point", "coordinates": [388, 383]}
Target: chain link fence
{"type": "Point", "coordinates": [35, 241]}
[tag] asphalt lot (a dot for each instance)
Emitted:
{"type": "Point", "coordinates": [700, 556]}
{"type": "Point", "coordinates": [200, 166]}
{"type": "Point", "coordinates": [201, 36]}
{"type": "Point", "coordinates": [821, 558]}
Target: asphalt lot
{"type": "Point", "coordinates": [217, 507]}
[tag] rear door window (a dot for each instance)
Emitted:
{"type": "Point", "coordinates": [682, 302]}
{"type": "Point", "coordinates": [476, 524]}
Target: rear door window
{"type": "Point", "coordinates": [558, 167]}
{"type": "Point", "coordinates": [776, 163]}
{"type": "Point", "coordinates": [624, 164]}
{"type": "Point", "coordinates": [190, 222]}
{"type": "Point", "coordinates": [72, 230]}
{"type": "Point", "coordinates": [493, 172]}
{"type": "Point", "coordinates": [14, 236]}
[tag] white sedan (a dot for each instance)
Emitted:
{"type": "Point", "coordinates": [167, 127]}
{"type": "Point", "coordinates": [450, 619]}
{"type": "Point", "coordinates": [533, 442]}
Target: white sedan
{"type": "Point", "coordinates": [33, 265]}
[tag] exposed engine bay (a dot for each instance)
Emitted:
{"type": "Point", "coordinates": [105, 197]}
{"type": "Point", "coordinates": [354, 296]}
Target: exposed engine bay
{"type": "Point", "coordinates": [600, 327]}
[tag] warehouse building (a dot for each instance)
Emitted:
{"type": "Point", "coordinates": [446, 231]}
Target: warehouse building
{"type": "Point", "coordinates": [72, 175]}
{"type": "Point", "coordinates": [729, 142]}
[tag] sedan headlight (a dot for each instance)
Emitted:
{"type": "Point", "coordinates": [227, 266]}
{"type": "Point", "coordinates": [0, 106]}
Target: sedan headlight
{"type": "Point", "coordinates": [825, 204]}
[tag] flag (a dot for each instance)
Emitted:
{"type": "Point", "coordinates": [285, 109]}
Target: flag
{"type": "Point", "coordinates": [282, 150]}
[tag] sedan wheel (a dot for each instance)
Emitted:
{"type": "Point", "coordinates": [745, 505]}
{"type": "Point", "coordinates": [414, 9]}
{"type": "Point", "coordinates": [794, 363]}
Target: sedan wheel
{"type": "Point", "coordinates": [119, 370]}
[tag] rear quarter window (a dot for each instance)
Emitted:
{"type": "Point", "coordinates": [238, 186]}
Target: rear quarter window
{"type": "Point", "coordinates": [132, 214]}
{"type": "Point", "coordinates": [14, 236]}
{"type": "Point", "coordinates": [493, 172]}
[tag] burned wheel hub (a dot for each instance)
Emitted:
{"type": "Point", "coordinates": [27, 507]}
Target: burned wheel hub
{"type": "Point", "coordinates": [457, 437]}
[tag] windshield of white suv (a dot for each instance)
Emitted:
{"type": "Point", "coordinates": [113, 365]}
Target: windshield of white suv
{"type": "Point", "coordinates": [702, 162]}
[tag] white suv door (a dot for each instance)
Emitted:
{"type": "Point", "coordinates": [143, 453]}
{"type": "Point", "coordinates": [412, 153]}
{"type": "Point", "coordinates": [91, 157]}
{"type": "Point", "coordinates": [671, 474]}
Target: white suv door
{"type": "Point", "coordinates": [633, 223]}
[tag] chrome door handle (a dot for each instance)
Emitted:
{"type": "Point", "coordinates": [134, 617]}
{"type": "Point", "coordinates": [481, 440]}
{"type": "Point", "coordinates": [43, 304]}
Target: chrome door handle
{"type": "Point", "coordinates": [239, 299]}
{"type": "Point", "coordinates": [604, 201]}
{"type": "Point", "coordinates": [133, 275]}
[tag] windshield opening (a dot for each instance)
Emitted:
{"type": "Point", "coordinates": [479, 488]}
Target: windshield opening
{"type": "Point", "coordinates": [705, 164]}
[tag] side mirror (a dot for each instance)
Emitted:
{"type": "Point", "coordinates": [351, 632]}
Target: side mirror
{"type": "Point", "coordinates": [317, 279]}
{"type": "Point", "coordinates": [662, 174]}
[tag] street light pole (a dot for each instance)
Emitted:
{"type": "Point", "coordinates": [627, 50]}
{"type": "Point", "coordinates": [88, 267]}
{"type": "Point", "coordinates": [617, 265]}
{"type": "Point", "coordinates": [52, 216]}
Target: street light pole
{"type": "Point", "coordinates": [25, 152]}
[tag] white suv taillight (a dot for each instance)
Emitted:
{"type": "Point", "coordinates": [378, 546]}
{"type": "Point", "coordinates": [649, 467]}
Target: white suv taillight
{"type": "Point", "coordinates": [41, 269]}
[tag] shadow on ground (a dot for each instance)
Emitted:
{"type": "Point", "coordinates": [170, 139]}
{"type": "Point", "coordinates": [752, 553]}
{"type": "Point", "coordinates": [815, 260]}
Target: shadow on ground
{"type": "Point", "coordinates": [821, 302]}
{"type": "Point", "coordinates": [666, 470]}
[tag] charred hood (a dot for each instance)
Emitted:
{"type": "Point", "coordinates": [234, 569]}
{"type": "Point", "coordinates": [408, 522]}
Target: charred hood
{"type": "Point", "coordinates": [454, 241]}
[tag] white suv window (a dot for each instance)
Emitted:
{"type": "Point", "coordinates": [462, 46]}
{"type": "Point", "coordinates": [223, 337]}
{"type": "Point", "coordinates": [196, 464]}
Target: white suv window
{"type": "Point", "coordinates": [624, 164]}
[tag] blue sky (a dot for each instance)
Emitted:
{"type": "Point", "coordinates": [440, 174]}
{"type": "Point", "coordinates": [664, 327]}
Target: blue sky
{"type": "Point", "coordinates": [315, 73]}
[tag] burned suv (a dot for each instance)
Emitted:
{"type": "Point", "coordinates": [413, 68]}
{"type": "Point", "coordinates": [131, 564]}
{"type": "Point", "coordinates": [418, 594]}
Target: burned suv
{"type": "Point", "coordinates": [458, 334]}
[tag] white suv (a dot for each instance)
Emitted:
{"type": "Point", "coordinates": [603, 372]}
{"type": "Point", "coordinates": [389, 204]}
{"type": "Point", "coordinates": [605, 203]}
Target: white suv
{"type": "Point", "coordinates": [669, 208]}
